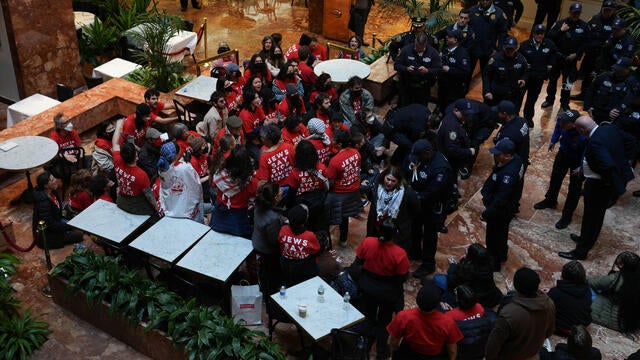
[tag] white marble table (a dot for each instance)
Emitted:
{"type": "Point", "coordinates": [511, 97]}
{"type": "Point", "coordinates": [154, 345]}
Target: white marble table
{"type": "Point", "coordinates": [169, 238]}
{"type": "Point", "coordinates": [108, 221]}
{"type": "Point", "coordinates": [83, 18]}
{"type": "Point", "coordinates": [26, 152]}
{"type": "Point", "coordinates": [321, 317]}
{"type": "Point", "coordinates": [217, 255]}
{"type": "Point", "coordinates": [342, 69]}
{"type": "Point", "coordinates": [116, 68]}
{"type": "Point", "coordinates": [182, 39]}
{"type": "Point", "coordinates": [27, 107]}
{"type": "Point", "coordinates": [199, 88]}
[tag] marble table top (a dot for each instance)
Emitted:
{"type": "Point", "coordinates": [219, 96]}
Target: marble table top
{"type": "Point", "coordinates": [29, 106]}
{"type": "Point", "coordinates": [342, 69]}
{"type": "Point", "coordinates": [26, 152]}
{"type": "Point", "coordinates": [217, 255]}
{"type": "Point", "coordinates": [199, 88]}
{"type": "Point", "coordinates": [115, 68]}
{"type": "Point", "coordinates": [108, 221]}
{"type": "Point", "coordinates": [169, 238]}
{"type": "Point", "coordinates": [321, 316]}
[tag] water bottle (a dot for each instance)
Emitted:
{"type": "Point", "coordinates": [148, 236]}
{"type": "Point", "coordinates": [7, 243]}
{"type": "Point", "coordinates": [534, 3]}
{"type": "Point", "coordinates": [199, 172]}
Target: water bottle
{"type": "Point", "coordinates": [78, 246]}
{"type": "Point", "coordinates": [361, 343]}
{"type": "Point", "coordinates": [283, 292]}
{"type": "Point", "coordinates": [345, 299]}
{"type": "Point", "coordinates": [321, 293]}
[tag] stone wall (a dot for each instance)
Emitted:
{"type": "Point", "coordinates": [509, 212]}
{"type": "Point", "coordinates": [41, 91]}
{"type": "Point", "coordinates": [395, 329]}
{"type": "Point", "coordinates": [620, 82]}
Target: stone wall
{"type": "Point", "coordinates": [45, 43]}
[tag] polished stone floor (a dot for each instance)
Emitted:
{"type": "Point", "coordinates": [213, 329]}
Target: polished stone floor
{"type": "Point", "coordinates": [533, 240]}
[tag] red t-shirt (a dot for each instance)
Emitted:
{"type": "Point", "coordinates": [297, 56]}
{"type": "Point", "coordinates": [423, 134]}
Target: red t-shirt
{"type": "Point", "coordinates": [344, 169]}
{"type": "Point", "coordinates": [265, 78]}
{"type": "Point", "coordinates": [200, 164]}
{"type": "Point", "coordinates": [220, 134]}
{"type": "Point", "coordinates": [129, 128]}
{"type": "Point", "coordinates": [272, 116]}
{"type": "Point", "coordinates": [304, 181]}
{"type": "Point", "coordinates": [131, 179]}
{"type": "Point", "coordinates": [294, 138]}
{"type": "Point", "coordinates": [81, 200]}
{"type": "Point", "coordinates": [329, 131]}
{"type": "Point", "coordinates": [159, 107]}
{"type": "Point", "coordinates": [251, 119]}
{"type": "Point", "coordinates": [320, 52]}
{"type": "Point", "coordinates": [233, 100]}
{"type": "Point", "coordinates": [331, 92]}
{"type": "Point", "coordinates": [106, 197]}
{"type": "Point", "coordinates": [72, 139]}
{"type": "Point", "coordinates": [292, 52]}
{"type": "Point", "coordinates": [324, 117]}
{"type": "Point", "coordinates": [297, 247]}
{"type": "Point", "coordinates": [322, 149]}
{"type": "Point", "coordinates": [457, 314]}
{"type": "Point", "coordinates": [427, 333]}
{"type": "Point", "coordinates": [307, 75]}
{"type": "Point", "coordinates": [384, 259]}
{"type": "Point", "coordinates": [284, 109]}
{"type": "Point", "coordinates": [241, 199]}
{"type": "Point", "coordinates": [276, 165]}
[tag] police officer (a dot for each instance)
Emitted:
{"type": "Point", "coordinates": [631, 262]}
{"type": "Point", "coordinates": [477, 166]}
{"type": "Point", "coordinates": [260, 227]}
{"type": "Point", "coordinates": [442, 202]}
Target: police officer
{"type": "Point", "coordinates": [399, 41]}
{"type": "Point", "coordinates": [417, 66]}
{"type": "Point", "coordinates": [405, 126]}
{"type": "Point", "coordinates": [491, 26]}
{"type": "Point", "coordinates": [512, 10]}
{"type": "Point", "coordinates": [453, 81]}
{"type": "Point", "coordinates": [570, 36]}
{"type": "Point", "coordinates": [505, 76]}
{"type": "Point", "coordinates": [430, 176]}
{"type": "Point", "coordinates": [568, 159]}
{"type": "Point", "coordinates": [549, 9]}
{"type": "Point", "coordinates": [479, 126]}
{"type": "Point", "coordinates": [540, 54]}
{"type": "Point", "coordinates": [611, 92]}
{"type": "Point", "coordinates": [452, 138]}
{"type": "Point", "coordinates": [468, 41]}
{"type": "Point", "coordinates": [515, 129]}
{"type": "Point", "coordinates": [620, 44]}
{"type": "Point", "coordinates": [600, 27]}
{"type": "Point", "coordinates": [500, 198]}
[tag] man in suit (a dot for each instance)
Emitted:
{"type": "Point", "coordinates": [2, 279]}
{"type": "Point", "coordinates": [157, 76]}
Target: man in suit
{"type": "Point", "coordinates": [607, 172]}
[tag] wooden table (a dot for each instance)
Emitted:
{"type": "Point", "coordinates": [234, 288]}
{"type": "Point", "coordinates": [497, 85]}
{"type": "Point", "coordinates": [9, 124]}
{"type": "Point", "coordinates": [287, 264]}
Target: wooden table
{"type": "Point", "coordinates": [108, 221]}
{"type": "Point", "coordinates": [217, 255]}
{"type": "Point", "coordinates": [321, 316]}
{"type": "Point", "coordinates": [341, 70]}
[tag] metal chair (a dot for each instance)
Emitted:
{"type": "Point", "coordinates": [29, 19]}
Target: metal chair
{"type": "Point", "coordinates": [92, 81]}
{"type": "Point", "coordinates": [348, 345]}
{"type": "Point", "coordinates": [185, 116]}
{"type": "Point", "coordinates": [64, 92]}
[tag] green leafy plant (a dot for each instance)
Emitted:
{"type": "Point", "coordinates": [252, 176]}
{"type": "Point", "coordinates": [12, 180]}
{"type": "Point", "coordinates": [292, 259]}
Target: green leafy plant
{"type": "Point", "coordinates": [149, 77]}
{"type": "Point", "coordinates": [632, 16]}
{"type": "Point", "coordinates": [7, 269]}
{"type": "Point", "coordinates": [98, 41]}
{"type": "Point", "coordinates": [20, 336]}
{"type": "Point", "coordinates": [205, 332]}
{"type": "Point", "coordinates": [437, 14]}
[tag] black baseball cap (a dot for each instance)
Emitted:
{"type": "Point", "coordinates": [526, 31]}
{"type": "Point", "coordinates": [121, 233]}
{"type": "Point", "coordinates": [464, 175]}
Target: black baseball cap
{"type": "Point", "coordinates": [504, 146]}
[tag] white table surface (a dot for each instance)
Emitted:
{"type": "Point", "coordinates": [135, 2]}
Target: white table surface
{"type": "Point", "coordinates": [182, 39]}
{"type": "Point", "coordinates": [29, 152]}
{"type": "Point", "coordinates": [321, 317]}
{"type": "Point", "coordinates": [116, 68]}
{"type": "Point", "coordinates": [199, 88]}
{"type": "Point", "coordinates": [83, 18]}
{"type": "Point", "coordinates": [169, 238]}
{"type": "Point", "coordinates": [217, 255]}
{"type": "Point", "coordinates": [106, 220]}
{"type": "Point", "coordinates": [27, 107]}
{"type": "Point", "coordinates": [342, 69]}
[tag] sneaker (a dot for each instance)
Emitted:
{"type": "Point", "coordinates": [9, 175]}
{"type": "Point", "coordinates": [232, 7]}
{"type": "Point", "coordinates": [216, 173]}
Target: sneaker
{"type": "Point", "coordinates": [197, 6]}
{"type": "Point", "coordinates": [546, 104]}
{"type": "Point", "coordinates": [544, 204]}
{"type": "Point", "coordinates": [464, 173]}
{"type": "Point", "coordinates": [364, 203]}
{"type": "Point", "coordinates": [562, 224]}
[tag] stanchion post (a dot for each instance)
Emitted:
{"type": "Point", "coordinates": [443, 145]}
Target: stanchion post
{"type": "Point", "coordinates": [40, 232]}
{"type": "Point", "coordinates": [206, 46]}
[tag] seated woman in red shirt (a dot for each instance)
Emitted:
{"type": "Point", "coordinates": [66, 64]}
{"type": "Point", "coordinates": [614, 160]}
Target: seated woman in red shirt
{"type": "Point", "coordinates": [100, 188]}
{"type": "Point", "coordinates": [354, 44]}
{"type": "Point", "coordinates": [79, 196]}
{"type": "Point", "coordinates": [319, 139]}
{"type": "Point", "coordinates": [324, 85]}
{"type": "Point", "coordinates": [236, 185]}
{"type": "Point", "coordinates": [293, 130]}
{"type": "Point", "coordinates": [276, 161]}
{"type": "Point", "coordinates": [385, 267]}
{"type": "Point", "coordinates": [344, 174]}
{"type": "Point", "coordinates": [252, 114]}
{"type": "Point", "coordinates": [298, 248]}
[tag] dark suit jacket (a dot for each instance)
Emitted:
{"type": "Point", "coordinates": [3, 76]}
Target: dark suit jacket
{"type": "Point", "coordinates": [605, 155]}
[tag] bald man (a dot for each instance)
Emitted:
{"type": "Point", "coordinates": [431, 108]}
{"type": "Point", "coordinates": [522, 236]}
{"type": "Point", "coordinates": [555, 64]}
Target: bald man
{"type": "Point", "coordinates": [607, 171]}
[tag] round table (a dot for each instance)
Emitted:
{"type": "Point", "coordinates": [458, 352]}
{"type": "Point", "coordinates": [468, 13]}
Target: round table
{"type": "Point", "coordinates": [341, 70]}
{"type": "Point", "coordinates": [25, 153]}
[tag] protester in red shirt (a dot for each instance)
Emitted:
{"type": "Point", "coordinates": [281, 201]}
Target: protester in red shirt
{"type": "Point", "coordinates": [319, 139]}
{"type": "Point", "coordinates": [292, 103]}
{"type": "Point", "coordinates": [385, 267]}
{"type": "Point", "coordinates": [252, 114]}
{"type": "Point", "coordinates": [288, 75]}
{"type": "Point", "coordinates": [257, 67]}
{"type": "Point", "coordinates": [322, 104]}
{"type": "Point", "coordinates": [152, 98]}
{"type": "Point", "coordinates": [318, 50]}
{"type": "Point", "coordinates": [79, 196]}
{"type": "Point", "coordinates": [100, 187]}
{"type": "Point", "coordinates": [277, 160]}
{"type": "Point", "coordinates": [344, 173]}
{"type": "Point", "coordinates": [293, 130]}
{"type": "Point", "coordinates": [233, 127]}
{"type": "Point", "coordinates": [236, 185]}
{"type": "Point", "coordinates": [336, 123]}
{"type": "Point", "coordinates": [270, 108]}
{"type": "Point", "coordinates": [134, 188]}
{"type": "Point", "coordinates": [63, 133]}
{"type": "Point", "coordinates": [324, 84]}
{"type": "Point", "coordinates": [468, 308]}
{"type": "Point", "coordinates": [67, 138]}
{"type": "Point", "coordinates": [298, 248]}
{"type": "Point", "coordinates": [307, 75]}
{"type": "Point", "coordinates": [424, 331]}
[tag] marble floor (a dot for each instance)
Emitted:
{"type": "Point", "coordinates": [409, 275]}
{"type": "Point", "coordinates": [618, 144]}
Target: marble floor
{"type": "Point", "coordinates": [533, 239]}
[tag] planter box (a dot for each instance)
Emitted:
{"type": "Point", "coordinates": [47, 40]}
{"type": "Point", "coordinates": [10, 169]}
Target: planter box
{"type": "Point", "coordinates": [152, 344]}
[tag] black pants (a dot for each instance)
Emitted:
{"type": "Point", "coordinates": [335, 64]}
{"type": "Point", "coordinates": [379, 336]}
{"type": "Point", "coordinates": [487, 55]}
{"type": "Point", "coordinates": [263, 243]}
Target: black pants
{"type": "Point", "coordinates": [597, 197]}
{"type": "Point", "coordinates": [497, 237]}
{"type": "Point", "coordinates": [380, 314]}
{"type": "Point", "coordinates": [183, 3]}
{"type": "Point", "coordinates": [561, 166]}
{"type": "Point", "coordinates": [413, 93]}
{"type": "Point", "coordinates": [548, 9]}
{"type": "Point", "coordinates": [569, 72]}
{"type": "Point", "coordinates": [426, 235]}
{"type": "Point", "coordinates": [534, 87]}
{"type": "Point", "coordinates": [450, 89]}
{"type": "Point", "coordinates": [360, 17]}
{"type": "Point", "coordinates": [587, 67]}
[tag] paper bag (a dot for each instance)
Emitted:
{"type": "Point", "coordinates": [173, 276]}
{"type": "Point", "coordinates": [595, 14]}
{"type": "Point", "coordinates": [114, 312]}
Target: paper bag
{"type": "Point", "coordinates": [246, 303]}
